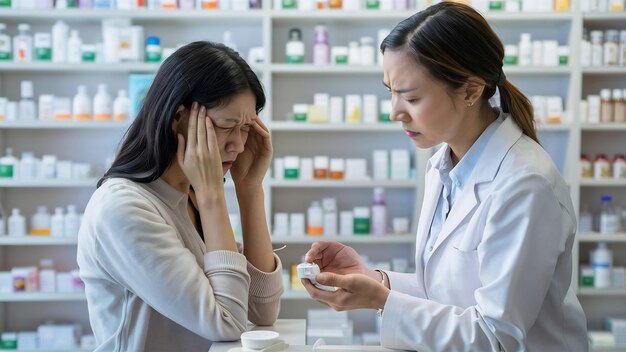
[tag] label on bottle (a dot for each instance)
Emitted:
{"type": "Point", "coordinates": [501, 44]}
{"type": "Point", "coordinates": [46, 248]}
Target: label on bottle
{"type": "Point", "coordinates": [43, 54]}
{"type": "Point", "coordinates": [563, 60]}
{"type": "Point", "coordinates": [384, 117]}
{"type": "Point", "coordinates": [496, 5]}
{"type": "Point", "coordinates": [299, 116]}
{"type": "Point", "coordinates": [290, 4]}
{"type": "Point", "coordinates": [361, 226]}
{"type": "Point", "coordinates": [6, 171]}
{"type": "Point", "coordinates": [209, 4]}
{"type": "Point", "coordinates": [341, 59]}
{"type": "Point", "coordinates": [292, 174]}
{"type": "Point", "coordinates": [372, 4]}
{"type": "Point", "coordinates": [5, 3]}
{"type": "Point", "coordinates": [609, 224]}
{"type": "Point", "coordinates": [88, 56]}
{"type": "Point", "coordinates": [5, 47]}
{"type": "Point", "coordinates": [153, 56]}
{"type": "Point", "coordinates": [295, 59]}
{"type": "Point", "coordinates": [510, 60]}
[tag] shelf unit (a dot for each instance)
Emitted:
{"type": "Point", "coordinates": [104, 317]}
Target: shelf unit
{"type": "Point", "coordinates": [42, 297]}
{"type": "Point", "coordinates": [284, 86]}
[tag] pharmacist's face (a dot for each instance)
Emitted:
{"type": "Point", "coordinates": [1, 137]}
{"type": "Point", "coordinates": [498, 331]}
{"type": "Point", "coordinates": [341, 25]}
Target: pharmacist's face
{"type": "Point", "coordinates": [425, 107]}
{"type": "Point", "coordinates": [232, 122]}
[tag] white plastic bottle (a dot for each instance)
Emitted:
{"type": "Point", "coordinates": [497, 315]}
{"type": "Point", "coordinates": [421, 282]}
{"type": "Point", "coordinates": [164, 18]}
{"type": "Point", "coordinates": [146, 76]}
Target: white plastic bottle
{"type": "Point", "coordinates": [295, 47]}
{"type": "Point", "coordinates": [525, 50]}
{"type": "Point", "coordinates": [40, 222]}
{"type": "Point", "coordinates": [47, 276]}
{"type": "Point", "coordinates": [228, 40]}
{"type": "Point", "coordinates": [121, 106]}
{"type": "Point", "coordinates": [329, 205]}
{"type": "Point", "coordinates": [585, 50]}
{"type": "Point", "coordinates": [81, 105]}
{"type": "Point", "coordinates": [609, 219]}
{"type": "Point", "coordinates": [602, 263]}
{"type": "Point", "coordinates": [74, 48]}
{"type": "Point", "coordinates": [60, 34]}
{"type": "Point", "coordinates": [17, 224]}
{"type": "Point", "coordinates": [57, 223]}
{"type": "Point", "coordinates": [28, 166]}
{"type": "Point", "coordinates": [315, 220]}
{"type": "Point", "coordinates": [379, 212]}
{"type": "Point", "coordinates": [354, 53]}
{"type": "Point", "coordinates": [9, 165]}
{"type": "Point", "coordinates": [597, 50]}
{"type": "Point", "coordinates": [27, 109]}
{"type": "Point", "coordinates": [367, 52]}
{"type": "Point", "coordinates": [71, 222]}
{"type": "Point", "coordinates": [102, 105]}
{"type": "Point", "coordinates": [23, 44]}
{"type": "Point", "coordinates": [5, 44]}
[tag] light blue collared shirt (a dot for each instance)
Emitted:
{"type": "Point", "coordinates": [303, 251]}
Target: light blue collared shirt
{"type": "Point", "coordinates": [454, 179]}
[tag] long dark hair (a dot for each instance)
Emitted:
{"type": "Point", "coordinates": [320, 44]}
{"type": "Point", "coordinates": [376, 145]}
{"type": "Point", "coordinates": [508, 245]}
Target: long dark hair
{"type": "Point", "coordinates": [453, 42]}
{"type": "Point", "coordinates": [206, 72]}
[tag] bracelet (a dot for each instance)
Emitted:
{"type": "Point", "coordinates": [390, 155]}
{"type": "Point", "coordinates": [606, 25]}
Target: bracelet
{"type": "Point", "coordinates": [379, 311]}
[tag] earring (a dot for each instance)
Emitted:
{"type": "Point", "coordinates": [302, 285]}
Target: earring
{"type": "Point", "coordinates": [470, 104]}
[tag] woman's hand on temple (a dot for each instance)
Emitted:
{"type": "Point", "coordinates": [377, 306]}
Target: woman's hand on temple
{"type": "Point", "coordinates": [252, 164]}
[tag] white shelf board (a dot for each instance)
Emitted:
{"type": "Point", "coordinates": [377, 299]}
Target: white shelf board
{"type": "Point", "coordinates": [53, 350]}
{"type": "Point", "coordinates": [55, 125]}
{"type": "Point", "coordinates": [586, 182]}
{"type": "Point", "coordinates": [610, 70]}
{"type": "Point", "coordinates": [611, 127]}
{"type": "Point", "coordinates": [603, 16]}
{"type": "Point", "coordinates": [596, 237]}
{"type": "Point", "coordinates": [90, 182]}
{"type": "Point", "coordinates": [343, 127]}
{"type": "Point", "coordinates": [554, 127]}
{"type": "Point", "coordinates": [324, 69]}
{"type": "Point", "coordinates": [138, 14]}
{"type": "Point", "coordinates": [548, 70]}
{"type": "Point", "coordinates": [607, 349]}
{"type": "Point", "coordinates": [41, 297]}
{"type": "Point", "coordinates": [305, 239]}
{"type": "Point", "coordinates": [32, 240]}
{"type": "Point", "coordinates": [343, 184]}
{"type": "Point", "coordinates": [296, 295]}
{"type": "Point", "coordinates": [78, 67]}
{"type": "Point", "coordinates": [602, 292]}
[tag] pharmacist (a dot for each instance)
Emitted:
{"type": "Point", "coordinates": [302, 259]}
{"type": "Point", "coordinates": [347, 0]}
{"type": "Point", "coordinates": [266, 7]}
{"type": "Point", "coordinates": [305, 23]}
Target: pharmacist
{"type": "Point", "coordinates": [495, 235]}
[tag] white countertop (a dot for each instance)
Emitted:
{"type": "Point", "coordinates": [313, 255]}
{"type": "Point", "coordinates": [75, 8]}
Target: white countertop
{"type": "Point", "coordinates": [292, 331]}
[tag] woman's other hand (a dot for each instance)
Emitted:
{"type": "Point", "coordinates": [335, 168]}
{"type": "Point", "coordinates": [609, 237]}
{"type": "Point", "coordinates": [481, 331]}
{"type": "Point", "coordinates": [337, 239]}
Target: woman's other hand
{"type": "Point", "coordinates": [251, 165]}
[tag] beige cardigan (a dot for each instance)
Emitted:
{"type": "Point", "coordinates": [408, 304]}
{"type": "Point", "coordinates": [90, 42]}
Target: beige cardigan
{"type": "Point", "coordinates": [151, 285]}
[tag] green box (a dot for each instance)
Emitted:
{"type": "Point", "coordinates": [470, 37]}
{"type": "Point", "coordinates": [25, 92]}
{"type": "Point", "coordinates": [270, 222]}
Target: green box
{"type": "Point", "coordinates": [361, 226]}
{"type": "Point", "coordinates": [510, 60]}
{"type": "Point", "coordinates": [292, 174]}
{"type": "Point", "coordinates": [6, 171]}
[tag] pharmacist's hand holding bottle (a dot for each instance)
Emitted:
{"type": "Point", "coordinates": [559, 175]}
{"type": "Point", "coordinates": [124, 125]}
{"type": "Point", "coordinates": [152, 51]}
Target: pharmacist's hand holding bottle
{"type": "Point", "coordinates": [198, 156]}
{"type": "Point", "coordinates": [252, 164]}
{"type": "Point", "coordinates": [338, 258]}
{"type": "Point", "coordinates": [354, 291]}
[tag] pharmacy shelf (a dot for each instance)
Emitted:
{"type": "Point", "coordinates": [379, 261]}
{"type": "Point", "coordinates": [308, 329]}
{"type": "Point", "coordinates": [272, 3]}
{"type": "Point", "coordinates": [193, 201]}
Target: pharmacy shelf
{"type": "Point", "coordinates": [140, 67]}
{"type": "Point", "coordinates": [596, 237]}
{"type": "Point", "coordinates": [343, 183]}
{"type": "Point", "coordinates": [295, 295]}
{"type": "Point", "coordinates": [55, 125]}
{"type": "Point", "coordinates": [585, 182]}
{"type": "Point", "coordinates": [41, 297]}
{"type": "Point", "coordinates": [345, 69]}
{"type": "Point", "coordinates": [90, 182]}
{"type": "Point", "coordinates": [366, 15]}
{"type": "Point", "coordinates": [355, 239]}
{"type": "Point", "coordinates": [617, 70]}
{"type": "Point", "coordinates": [329, 127]}
{"type": "Point", "coordinates": [37, 241]}
{"type": "Point", "coordinates": [602, 291]}
{"type": "Point", "coordinates": [82, 15]}
{"type": "Point", "coordinates": [52, 350]}
{"type": "Point", "coordinates": [610, 127]}
{"type": "Point", "coordinates": [608, 349]}
{"type": "Point", "coordinates": [600, 17]}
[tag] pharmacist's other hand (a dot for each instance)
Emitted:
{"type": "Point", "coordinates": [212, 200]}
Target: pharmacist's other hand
{"type": "Point", "coordinates": [355, 291]}
{"type": "Point", "coordinates": [335, 257]}
{"type": "Point", "coordinates": [198, 155]}
{"type": "Point", "coordinates": [251, 165]}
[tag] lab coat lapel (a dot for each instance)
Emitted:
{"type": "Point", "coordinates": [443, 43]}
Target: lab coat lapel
{"type": "Point", "coordinates": [431, 196]}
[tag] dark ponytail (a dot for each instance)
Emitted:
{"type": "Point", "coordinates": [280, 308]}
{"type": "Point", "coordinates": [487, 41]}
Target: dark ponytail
{"type": "Point", "coordinates": [453, 42]}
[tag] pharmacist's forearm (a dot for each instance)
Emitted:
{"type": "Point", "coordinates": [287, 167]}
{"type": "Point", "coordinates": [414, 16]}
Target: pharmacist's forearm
{"type": "Point", "coordinates": [257, 244]}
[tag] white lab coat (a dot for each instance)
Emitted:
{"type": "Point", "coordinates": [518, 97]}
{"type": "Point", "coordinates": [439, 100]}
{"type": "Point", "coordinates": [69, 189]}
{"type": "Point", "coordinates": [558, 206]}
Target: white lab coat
{"type": "Point", "coordinates": [499, 277]}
